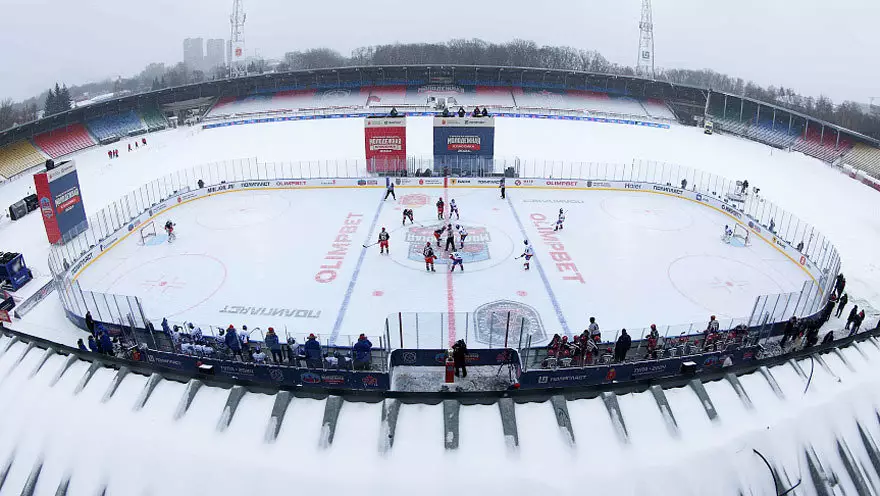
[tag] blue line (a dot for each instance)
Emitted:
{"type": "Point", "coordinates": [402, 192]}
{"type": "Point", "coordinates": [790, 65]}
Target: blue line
{"type": "Point", "coordinates": [549, 289]}
{"type": "Point", "coordinates": [354, 277]}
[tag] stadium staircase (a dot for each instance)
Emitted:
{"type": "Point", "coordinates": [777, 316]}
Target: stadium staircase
{"type": "Point", "coordinates": [864, 157]}
{"type": "Point", "coordinates": [65, 140]}
{"type": "Point", "coordinates": [19, 157]}
{"type": "Point", "coordinates": [116, 125]}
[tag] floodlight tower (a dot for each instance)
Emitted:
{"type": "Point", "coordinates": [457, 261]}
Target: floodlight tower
{"type": "Point", "coordinates": [645, 65]}
{"type": "Point", "coordinates": [236, 36]}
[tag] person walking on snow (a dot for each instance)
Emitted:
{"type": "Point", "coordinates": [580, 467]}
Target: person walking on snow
{"type": "Point", "coordinates": [843, 301]}
{"type": "Point", "coordinates": [383, 241]}
{"type": "Point", "coordinates": [853, 315]}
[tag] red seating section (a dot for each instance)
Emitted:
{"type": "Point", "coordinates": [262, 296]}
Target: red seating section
{"type": "Point", "coordinates": [65, 140]}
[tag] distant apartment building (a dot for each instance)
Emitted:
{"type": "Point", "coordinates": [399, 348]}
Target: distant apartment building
{"type": "Point", "coordinates": [216, 54]}
{"type": "Point", "coordinates": [194, 53]}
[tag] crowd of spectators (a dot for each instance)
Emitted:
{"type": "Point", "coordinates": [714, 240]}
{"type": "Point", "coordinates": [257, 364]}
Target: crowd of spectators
{"type": "Point", "coordinates": [100, 341]}
{"type": "Point", "coordinates": [589, 349]}
{"type": "Point", "coordinates": [237, 344]}
{"type": "Point", "coordinates": [797, 333]}
{"type": "Point", "coordinates": [462, 113]}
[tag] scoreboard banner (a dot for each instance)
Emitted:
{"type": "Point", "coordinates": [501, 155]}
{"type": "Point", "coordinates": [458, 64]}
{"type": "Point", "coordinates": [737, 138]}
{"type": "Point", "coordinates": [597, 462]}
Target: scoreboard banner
{"type": "Point", "coordinates": [385, 143]}
{"type": "Point", "coordinates": [60, 201]}
{"type": "Point", "coordinates": [461, 140]}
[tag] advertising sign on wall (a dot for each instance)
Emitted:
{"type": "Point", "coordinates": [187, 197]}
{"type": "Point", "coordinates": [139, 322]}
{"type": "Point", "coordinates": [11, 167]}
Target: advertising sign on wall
{"type": "Point", "coordinates": [460, 140]}
{"type": "Point", "coordinates": [60, 202]}
{"type": "Point", "coordinates": [385, 143]}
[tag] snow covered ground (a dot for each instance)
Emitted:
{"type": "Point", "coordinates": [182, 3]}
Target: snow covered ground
{"type": "Point", "coordinates": [127, 435]}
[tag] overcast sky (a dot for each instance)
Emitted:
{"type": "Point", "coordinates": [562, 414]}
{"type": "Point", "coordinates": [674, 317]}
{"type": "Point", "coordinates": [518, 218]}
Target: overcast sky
{"type": "Point", "coordinates": [815, 46]}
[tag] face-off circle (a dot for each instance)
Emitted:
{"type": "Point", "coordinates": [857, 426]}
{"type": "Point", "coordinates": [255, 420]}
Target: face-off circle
{"type": "Point", "coordinates": [483, 247]}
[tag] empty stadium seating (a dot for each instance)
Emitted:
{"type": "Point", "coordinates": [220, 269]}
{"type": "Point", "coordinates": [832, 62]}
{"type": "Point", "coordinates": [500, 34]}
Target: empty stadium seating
{"type": "Point", "coordinates": [116, 125]}
{"type": "Point", "coordinates": [826, 149]}
{"type": "Point", "coordinates": [864, 157]}
{"type": "Point", "coordinates": [65, 140]}
{"type": "Point", "coordinates": [18, 157]}
{"type": "Point", "coordinates": [153, 118]}
{"type": "Point", "coordinates": [763, 132]}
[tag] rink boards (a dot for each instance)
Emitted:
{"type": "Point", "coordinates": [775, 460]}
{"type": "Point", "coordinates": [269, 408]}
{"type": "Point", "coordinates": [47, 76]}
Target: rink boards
{"type": "Point", "coordinates": [336, 289]}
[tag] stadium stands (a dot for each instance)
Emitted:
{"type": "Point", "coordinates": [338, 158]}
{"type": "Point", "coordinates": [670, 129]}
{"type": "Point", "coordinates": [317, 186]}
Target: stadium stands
{"type": "Point", "coordinates": [864, 157]}
{"type": "Point", "coordinates": [657, 108]}
{"type": "Point", "coordinates": [826, 149]}
{"type": "Point", "coordinates": [154, 119]}
{"type": "Point", "coordinates": [19, 157]}
{"type": "Point", "coordinates": [65, 140]}
{"type": "Point", "coordinates": [763, 132]}
{"type": "Point", "coordinates": [116, 125]}
{"type": "Point", "coordinates": [466, 95]}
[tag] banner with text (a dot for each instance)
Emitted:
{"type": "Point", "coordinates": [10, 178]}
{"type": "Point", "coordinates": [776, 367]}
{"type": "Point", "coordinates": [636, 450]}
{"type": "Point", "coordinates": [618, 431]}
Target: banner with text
{"type": "Point", "coordinates": [385, 143]}
{"type": "Point", "coordinates": [60, 202]}
{"type": "Point", "coordinates": [464, 145]}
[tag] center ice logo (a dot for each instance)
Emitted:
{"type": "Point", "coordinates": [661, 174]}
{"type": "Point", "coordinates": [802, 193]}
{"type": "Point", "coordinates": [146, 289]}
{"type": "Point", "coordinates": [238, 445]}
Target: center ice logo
{"type": "Point", "coordinates": [506, 320]}
{"type": "Point", "coordinates": [475, 249]}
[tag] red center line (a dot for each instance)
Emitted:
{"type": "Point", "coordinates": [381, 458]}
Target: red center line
{"type": "Point", "coordinates": [450, 290]}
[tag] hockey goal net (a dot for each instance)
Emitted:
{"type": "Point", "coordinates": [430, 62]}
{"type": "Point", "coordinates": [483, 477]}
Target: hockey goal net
{"type": "Point", "coordinates": [146, 232]}
{"type": "Point", "coordinates": [740, 237]}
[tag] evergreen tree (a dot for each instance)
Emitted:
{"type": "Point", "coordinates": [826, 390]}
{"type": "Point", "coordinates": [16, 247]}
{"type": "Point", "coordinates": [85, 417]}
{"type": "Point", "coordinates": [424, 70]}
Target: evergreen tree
{"type": "Point", "coordinates": [64, 102]}
{"type": "Point", "coordinates": [50, 107]}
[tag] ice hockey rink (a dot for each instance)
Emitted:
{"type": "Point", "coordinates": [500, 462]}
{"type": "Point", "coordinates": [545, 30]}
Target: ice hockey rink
{"type": "Point", "coordinates": [635, 268]}
{"type": "Point", "coordinates": [295, 260]}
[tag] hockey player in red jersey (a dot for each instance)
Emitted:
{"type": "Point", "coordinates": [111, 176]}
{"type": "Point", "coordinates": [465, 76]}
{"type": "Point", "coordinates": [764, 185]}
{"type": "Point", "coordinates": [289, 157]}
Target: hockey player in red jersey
{"type": "Point", "coordinates": [438, 233]}
{"type": "Point", "coordinates": [408, 214]}
{"type": "Point", "coordinates": [440, 206]}
{"type": "Point", "coordinates": [383, 241]}
{"type": "Point", "coordinates": [169, 230]}
{"type": "Point", "coordinates": [428, 252]}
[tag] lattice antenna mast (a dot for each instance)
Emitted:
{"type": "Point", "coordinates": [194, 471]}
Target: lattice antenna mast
{"type": "Point", "coordinates": [236, 34]}
{"type": "Point", "coordinates": [645, 66]}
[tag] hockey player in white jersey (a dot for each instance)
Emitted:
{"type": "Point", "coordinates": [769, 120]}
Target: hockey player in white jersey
{"type": "Point", "coordinates": [528, 253]}
{"type": "Point", "coordinates": [457, 261]}
{"type": "Point", "coordinates": [560, 221]}
{"type": "Point", "coordinates": [453, 209]}
{"type": "Point", "coordinates": [462, 234]}
{"type": "Point", "coordinates": [728, 233]}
